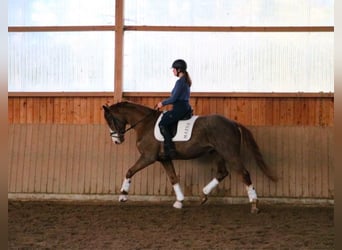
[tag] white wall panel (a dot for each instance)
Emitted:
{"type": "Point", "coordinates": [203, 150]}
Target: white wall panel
{"type": "Point", "coordinates": [238, 61]}
{"type": "Point", "coordinates": [60, 12]}
{"type": "Point", "coordinates": [61, 61]}
{"type": "Point", "coordinates": [230, 13]}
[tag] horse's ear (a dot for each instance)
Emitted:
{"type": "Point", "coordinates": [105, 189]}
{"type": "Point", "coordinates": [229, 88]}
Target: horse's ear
{"type": "Point", "coordinates": [106, 108]}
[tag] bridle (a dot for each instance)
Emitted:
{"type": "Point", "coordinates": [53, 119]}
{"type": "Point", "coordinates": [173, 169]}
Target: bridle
{"type": "Point", "coordinates": [119, 134]}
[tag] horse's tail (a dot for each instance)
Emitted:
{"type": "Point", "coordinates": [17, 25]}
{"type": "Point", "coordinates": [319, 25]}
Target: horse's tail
{"type": "Point", "coordinates": [248, 139]}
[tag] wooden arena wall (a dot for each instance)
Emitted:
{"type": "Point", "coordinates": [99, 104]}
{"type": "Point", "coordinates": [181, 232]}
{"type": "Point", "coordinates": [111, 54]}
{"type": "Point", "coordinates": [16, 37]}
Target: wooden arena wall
{"type": "Point", "coordinates": [61, 145]}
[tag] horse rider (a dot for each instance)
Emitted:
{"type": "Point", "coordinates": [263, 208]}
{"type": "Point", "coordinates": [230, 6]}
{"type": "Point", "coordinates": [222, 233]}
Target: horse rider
{"type": "Point", "coordinates": [179, 99]}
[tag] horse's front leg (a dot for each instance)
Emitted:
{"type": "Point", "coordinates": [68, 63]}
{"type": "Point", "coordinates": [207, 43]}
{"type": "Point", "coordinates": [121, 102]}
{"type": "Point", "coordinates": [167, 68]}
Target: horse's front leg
{"type": "Point", "coordinates": [171, 173]}
{"type": "Point", "coordinates": [141, 163]}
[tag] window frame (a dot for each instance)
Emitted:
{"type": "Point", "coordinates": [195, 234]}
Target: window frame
{"type": "Point", "coordinates": [119, 28]}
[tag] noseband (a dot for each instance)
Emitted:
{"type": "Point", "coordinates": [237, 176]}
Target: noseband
{"type": "Point", "coordinates": [114, 134]}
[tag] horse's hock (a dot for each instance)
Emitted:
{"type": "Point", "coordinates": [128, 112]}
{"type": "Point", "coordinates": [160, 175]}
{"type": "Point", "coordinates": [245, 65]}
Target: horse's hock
{"type": "Point", "coordinates": [80, 162]}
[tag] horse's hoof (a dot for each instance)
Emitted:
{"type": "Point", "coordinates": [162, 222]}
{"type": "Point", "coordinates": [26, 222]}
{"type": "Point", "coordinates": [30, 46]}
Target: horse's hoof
{"type": "Point", "coordinates": [254, 208]}
{"type": "Point", "coordinates": [178, 204]}
{"type": "Point", "coordinates": [204, 198]}
{"type": "Point", "coordinates": [123, 198]}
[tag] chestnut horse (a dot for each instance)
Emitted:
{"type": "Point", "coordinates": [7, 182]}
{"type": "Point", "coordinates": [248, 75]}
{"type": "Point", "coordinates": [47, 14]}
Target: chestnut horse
{"type": "Point", "coordinates": [214, 134]}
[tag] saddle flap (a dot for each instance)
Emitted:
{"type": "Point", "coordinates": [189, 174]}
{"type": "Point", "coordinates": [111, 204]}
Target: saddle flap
{"type": "Point", "coordinates": [184, 129]}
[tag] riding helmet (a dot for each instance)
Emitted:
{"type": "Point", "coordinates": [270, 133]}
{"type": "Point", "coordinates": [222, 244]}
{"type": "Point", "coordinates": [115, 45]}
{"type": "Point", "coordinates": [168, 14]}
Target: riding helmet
{"type": "Point", "coordinates": [179, 64]}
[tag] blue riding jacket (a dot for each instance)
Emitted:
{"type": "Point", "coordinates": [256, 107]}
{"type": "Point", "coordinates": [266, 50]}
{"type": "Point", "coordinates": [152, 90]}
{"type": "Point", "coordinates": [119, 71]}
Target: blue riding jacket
{"type": "Point", "coordinates": [179, 93]}
{"type": "Point", "coordinates": [179, 99]}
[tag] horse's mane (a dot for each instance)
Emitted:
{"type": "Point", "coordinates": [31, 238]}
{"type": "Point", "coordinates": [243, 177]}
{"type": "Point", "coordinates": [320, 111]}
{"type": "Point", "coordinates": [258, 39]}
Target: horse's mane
{"type": "Point", "coordinates": [131, 105]}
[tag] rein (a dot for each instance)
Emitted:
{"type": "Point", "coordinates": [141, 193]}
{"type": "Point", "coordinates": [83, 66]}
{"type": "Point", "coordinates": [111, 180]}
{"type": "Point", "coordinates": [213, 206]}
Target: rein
{"type": "Point", "coordinates": [132, 126]}
{"type": "Point", "coordinates": [135, 124]}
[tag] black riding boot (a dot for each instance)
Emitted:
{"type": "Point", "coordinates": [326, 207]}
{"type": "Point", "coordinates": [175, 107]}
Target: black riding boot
{"type": "Point", "coordinates": [169, 146]}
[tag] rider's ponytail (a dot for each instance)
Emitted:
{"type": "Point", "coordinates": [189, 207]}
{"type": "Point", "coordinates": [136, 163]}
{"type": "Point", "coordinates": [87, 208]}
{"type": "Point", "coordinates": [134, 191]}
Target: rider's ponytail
{"type": "Point", "coordinates": [188, 78]}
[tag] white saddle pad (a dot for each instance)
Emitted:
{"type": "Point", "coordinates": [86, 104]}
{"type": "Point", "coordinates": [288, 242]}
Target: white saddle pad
{"type": "Point", "coordinates": [184, 129]}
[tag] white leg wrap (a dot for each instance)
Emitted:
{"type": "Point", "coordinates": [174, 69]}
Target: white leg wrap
{"type": "Point", "coordinates": [251, 193]}
{"type": "Point", "coordinates": [178, 191]}
{"type": "Point", "coordinates": [178, 204]}
{"type": "Point", "coordinates": [210, 186]}
{"type": "Point", "coordinates": [123, 197]}
{"type": "Point", "coordinates": [125, 185]}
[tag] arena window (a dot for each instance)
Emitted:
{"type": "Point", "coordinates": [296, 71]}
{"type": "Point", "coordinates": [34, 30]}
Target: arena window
{"type": "Point", "coordinates": [128, 46]}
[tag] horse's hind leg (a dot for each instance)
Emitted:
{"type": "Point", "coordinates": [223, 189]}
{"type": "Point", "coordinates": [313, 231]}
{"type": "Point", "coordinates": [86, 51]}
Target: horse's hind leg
{"type": "Point", "coordinates": [221, 173]}
{"type": "Point", "coordinates": [171, 173]}
{"type": "Point", "coordinates": [246, 179]}
{"type": "Point", "coordinates": [253, 199]}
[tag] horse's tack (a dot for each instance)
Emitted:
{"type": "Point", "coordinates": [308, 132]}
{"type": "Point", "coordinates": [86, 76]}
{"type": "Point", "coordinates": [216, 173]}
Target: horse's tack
{"type": "Point", "coordinates": [184, 129]}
